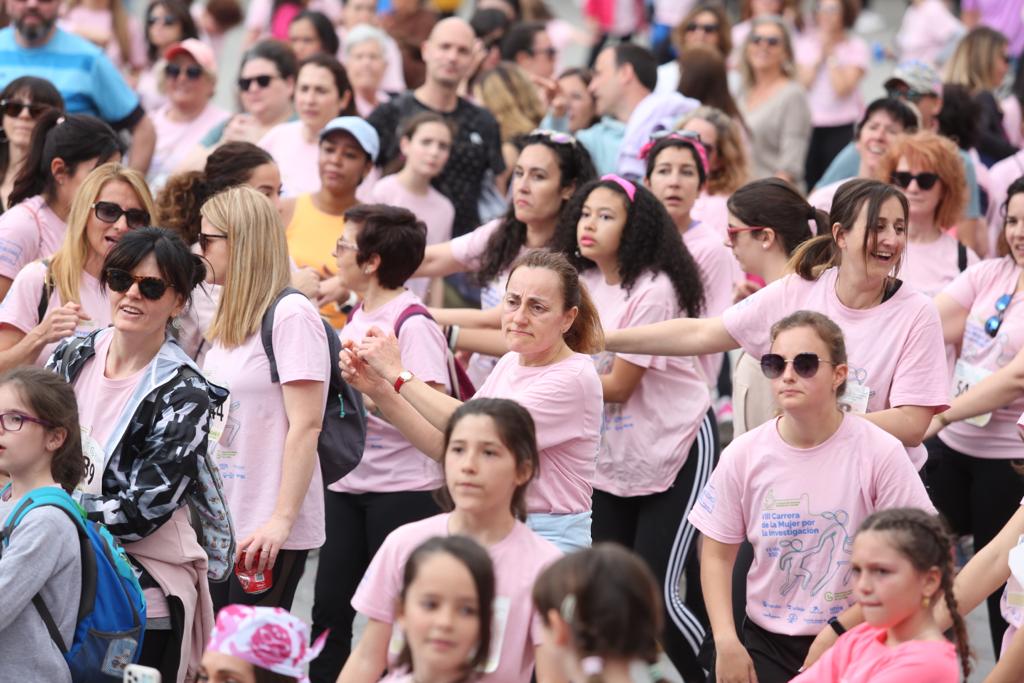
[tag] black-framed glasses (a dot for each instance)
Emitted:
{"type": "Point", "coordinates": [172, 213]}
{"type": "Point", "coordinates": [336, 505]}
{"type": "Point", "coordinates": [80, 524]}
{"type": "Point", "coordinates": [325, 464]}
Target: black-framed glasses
{"type": "Point", "coordinates": [206, 238]}
{"type": "Point", "coordinates": [804, 364]}
{"type": "Point", "coordinates": [262, 81]}
{"type": "Point", "coordinates": [166, 21]}
{"type": "Point", "coordinates": [706, 28]}
{"type": "Point", "coordinates": [109, 212]}
{"type": "Point", "coordinates": [121, 281]}
{"type": "Point", "coordinates": [925, 181]}
{"type": "Point", "coordinates": [13, 108]}
{"type": "Point", "coordinates": [770, 41]}
{"type": "Point", "coordinates": [193, 72]}
{"type": "Point", "coordinates": [13, 421]}
{"type": "Point", "coordinates": [993, 324]}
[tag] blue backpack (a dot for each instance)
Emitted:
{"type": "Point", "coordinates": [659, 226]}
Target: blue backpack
{"type": "Point", "coordinates": [112, 611]}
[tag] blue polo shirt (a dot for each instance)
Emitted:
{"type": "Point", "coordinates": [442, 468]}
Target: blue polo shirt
{"type": "Point", "coordinates": [85, 77]}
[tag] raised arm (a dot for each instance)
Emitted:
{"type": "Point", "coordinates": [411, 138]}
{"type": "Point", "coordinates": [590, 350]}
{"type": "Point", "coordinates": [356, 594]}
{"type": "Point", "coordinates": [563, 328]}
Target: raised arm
{"type": "Point", "coordinates": [439, 261]}
{"type": "Point", "coordinates": [680, 337]}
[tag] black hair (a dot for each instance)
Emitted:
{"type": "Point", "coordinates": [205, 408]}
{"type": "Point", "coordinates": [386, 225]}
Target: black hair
{"type": "Point", "coordinates": [261, 675]}
{"type": "Point", "coordinates": [341, 81]}
{"type": "Point", "coordinates": [40, 91]}
{"type": "Point", "coordinates": [394, 234]}
{"type": "Point", "coordinates": [645, 66]}
{"type": "Point", "coordinates": [74, 138]}
{"type": "Point", "coordinates": [650, 243]}
{"type": "Point", "coordinates": [489, 20]}
{"type": "Point", "coordinates": [674, 141]}
{"type": "Point", "coordinates": [520, 38]}
{"type": "Point", "coordinates": [575, 168]}
{"type": "Point", "coordinates": [774, 203]}
{"type": "Point", "coordinates": [177, 9]}
{"type": "Point", "coordinates": [958, 118]}
{"type": "Point", "coordinates": [178, 266]}
{"type": "Point", "coordinates": [323, 27]}
{"type": "Point", "coordinates": [277, 52]}
{"type": "Point", "coordinates": [897, 110]}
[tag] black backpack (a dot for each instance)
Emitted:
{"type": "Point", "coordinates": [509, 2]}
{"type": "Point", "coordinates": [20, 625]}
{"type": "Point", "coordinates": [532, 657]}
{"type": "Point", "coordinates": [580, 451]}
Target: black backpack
{"type": "Point", "coordinates": [343, 434]}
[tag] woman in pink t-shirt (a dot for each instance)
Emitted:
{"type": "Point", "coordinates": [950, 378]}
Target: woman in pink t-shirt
{"type": "Point", "coordinates": [69, 147]}
{"type": "Point", "coordinates": [971, 465]}
{"type": "Point", "coordinates": [847, 275]}
{"type": "Point", "coordinates": [23, 100]}
{"type": "Point", "coordinates": [796, 488]}
{"type": "Point", "coordinates": [62, 297]}
{"type": "Point", "coordinates": [489, 458]}
{"type": "Point", "coordinates": [659, 438]}
{"type": "Point", "coordinates": [265, 441]}
{"type": "Point", "coordinates": [902, 562]}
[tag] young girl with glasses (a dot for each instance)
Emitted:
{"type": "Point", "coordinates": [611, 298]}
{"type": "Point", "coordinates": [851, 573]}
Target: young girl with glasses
{"type": "Point", "coordinates": [796, 488]}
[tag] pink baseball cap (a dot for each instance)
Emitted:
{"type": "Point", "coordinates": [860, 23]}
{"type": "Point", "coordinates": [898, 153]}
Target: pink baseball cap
{"type": "Point", "coordinates": [197, 50]}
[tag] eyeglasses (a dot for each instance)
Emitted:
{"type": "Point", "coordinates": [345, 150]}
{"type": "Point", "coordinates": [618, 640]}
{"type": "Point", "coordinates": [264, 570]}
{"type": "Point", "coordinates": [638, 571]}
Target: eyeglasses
{"type": "Point", "coordinates": [262, 81]}
{"type": "Point", "coordinates": [557, 137]}
{"type": "Point", "coordinates": [770, 41]}
{"type": "Point", "coordinates": [925, 181]}
{"type": "Point", "coordinates": [206, 238]}
{"type": "Point", "coordinates": [343, 245]}
{"type": "Point", "coordinates": [166, 21]}
{"type": "Point", "coordinates": [192, 72]}
{"type": "Point", "coordinates": [13, 422]}
{"type": "Point", "coordinates": [804, 364]}
{"type": "Point", "coordinates": [121, 281]}
{"type": "Point", "coordinates": [993, 324]}
{"type": "Point", "coordinates": [13, 108]}
{"type": "Point", "coordinates": [706, 28]}
{"type": "Point", "coordinates": [109, 212]}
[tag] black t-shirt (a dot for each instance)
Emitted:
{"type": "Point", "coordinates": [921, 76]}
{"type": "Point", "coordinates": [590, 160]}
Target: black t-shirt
{"type": "Point", "coordinates": [477, 148]}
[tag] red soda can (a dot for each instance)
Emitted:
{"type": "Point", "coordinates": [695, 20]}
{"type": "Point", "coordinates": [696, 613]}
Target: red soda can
{"type": "Point", "coordinates": [253, 580]}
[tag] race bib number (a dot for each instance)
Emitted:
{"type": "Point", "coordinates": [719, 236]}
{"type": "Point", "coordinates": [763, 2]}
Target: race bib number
{"type": "Point", "coordinates": [965, 376]}
{"type": "Point", "coordinates": [855, 398]}
{"type": "Point", "coordinates": [92, 482]}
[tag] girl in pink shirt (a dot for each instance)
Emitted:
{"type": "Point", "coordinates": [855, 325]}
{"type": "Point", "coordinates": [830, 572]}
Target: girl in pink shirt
{"type": "Point", "coordinates": [659, 440]}
{"type": "Point", "coordinates": [795, 488]}
{"type": "Point", "coordinates": [902, 561]}
{"type": "Point", "coordinates": [489, 459]}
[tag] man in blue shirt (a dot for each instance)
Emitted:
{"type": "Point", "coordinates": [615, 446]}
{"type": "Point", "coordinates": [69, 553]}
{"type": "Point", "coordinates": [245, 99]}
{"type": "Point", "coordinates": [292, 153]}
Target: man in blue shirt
{"type": "Point", "coordinates": [88, 81]}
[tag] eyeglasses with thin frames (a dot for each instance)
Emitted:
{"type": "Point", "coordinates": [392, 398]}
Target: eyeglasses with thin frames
{"type": "Point", "coordinates": [13, 421]}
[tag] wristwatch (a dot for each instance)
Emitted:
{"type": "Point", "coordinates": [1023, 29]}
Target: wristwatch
{"type": "Point", "coordinates": [403, 377]}
{"type": "Point", "coordinates": [837, 626]}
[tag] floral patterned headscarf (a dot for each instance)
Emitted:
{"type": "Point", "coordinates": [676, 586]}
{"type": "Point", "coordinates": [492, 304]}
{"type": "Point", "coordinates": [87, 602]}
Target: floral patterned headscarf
{"type": "Point", "coordinates": [267, 637]}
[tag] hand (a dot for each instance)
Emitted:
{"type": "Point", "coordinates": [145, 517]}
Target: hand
{"type": "Point", "coordinates": [306, 281]}
{"type": "Point", "coordinates": [822, 642]}
{"type": "Point", "coordinates": [379, 349]}
{"type": "Point", "coordinates": [547, 88]}
{"type": "Point", "coordinates": [330, 290]}
{"type": "Point", "coordinates": [360, 375]}
{"type": "Point", "coordinates": [60, 323]}
{"type": "Point", "coordinates": [744, 288]}
{"type": "Point", "coordinates": [241, 128]}
{"type": "Point", "coordinates": [266, 542]}
{"type": "Point", "coordinates": [733, 663]}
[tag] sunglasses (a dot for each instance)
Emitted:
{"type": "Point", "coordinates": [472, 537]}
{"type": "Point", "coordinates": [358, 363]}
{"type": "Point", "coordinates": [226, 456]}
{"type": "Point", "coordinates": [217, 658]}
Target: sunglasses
{"type": "Point", "coordinates": [993, 324]}
{"type": "Point", "coordinates": [770, 41]}
{"type": "Point", "coordinates": [109, 212]}
{"type": "Point", "coordinates": [908, 94]}
{"type": "Point", "coordinates": [750, 228]}
{"type": "Point", "coordinates": [166, 21]}
{"type": "Point", "coordinates": [706, 28]}
{"type": "Point", "coordinates": [262, 81]}
{"type": "Point", "coordinates": [925, 181]}
{"type": "Point", "coordinates": [13, 422]}
{"type": "Point", "coordinates": [121, 281]}
{"type": "Point", "coordinates": [206, 238]}
{"type": "Point", "coordinates": [804, 364]}
{"type": "Point", "coordinates": [193, 72]}
{"type": "Point", "coordinates": [14, 108]}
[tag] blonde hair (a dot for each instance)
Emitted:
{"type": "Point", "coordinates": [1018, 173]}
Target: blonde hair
{"type": "Point", "coordinates": [68, 262]}
{"type": "Point", "coordinates": [937, 154]}
{"type": "Point", "coordinates": [508, 94]}
{"type": "Point", "coordinates": [973, 60]}
{"type": "Point", "coordinates": [734, 171]}
{"type": "Point", "coordinates": [257, 262]}
{"type": "Point", "coordinates": [788, 66]}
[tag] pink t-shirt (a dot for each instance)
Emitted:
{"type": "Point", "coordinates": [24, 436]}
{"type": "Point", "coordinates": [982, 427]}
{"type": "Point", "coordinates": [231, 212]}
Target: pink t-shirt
{"type": "Point", "coordinates": [390, 462]}
{"type": "Point", "coordinates": [1011, 603]}
{"type": "Point", "coordinates": [1000, 177]}
{"type": "Point", "coordinates": [712, 211]}
{"type": "Point", "coordinates": [827, 108]}
{"type": "Point", "coordinates": [29, 230]}
{"type": "Point", "coordinates": [895, 350]}
{"type": "Point", "coordinates": [433, 208]}
{"type": "Point", "coordinates": [800, 508]}
{"type": "Point", "coordinates": [566, 402]}
{"type": "Point", "coordinates": [645, 440]}
{"type": "Point", "coordinates": [296, 158]}
{"type": "Point", "coordinates": [822, 197]}
{"type": "Point", "coordinates": [518, 559]}
{"type": "Point", "coordinates": [80, 18]}
{"type": "Point", "coordinates": [176, 139]}
{"type": "Point", "coordinates": [718, 272]}
{"type": "Point", "coordinates": [861, 654]}
{"type": "Point", "coordinates": [20, 308]}
{"type": "Point", "coordinates": [927, 30]}
{"type": "Point", "coordinates": [929, 266]}
{"type": "Point", "coordinates": [250, 447]}
{"type": "Point", "coordinates": [977, 290]}
{"type": "Point", "coordinates": [257, 15]}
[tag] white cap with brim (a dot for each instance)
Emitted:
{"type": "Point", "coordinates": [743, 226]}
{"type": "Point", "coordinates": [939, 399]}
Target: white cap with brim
{"type": "Point", "coordinates": [364, 133]}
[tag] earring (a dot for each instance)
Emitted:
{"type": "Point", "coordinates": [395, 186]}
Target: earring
{"type": "Point", "coordinates": [764, 246]}
{"type": "Point", "coordinates": [926, 601]}
{"type": "Point", "coordinates": [366, 271]}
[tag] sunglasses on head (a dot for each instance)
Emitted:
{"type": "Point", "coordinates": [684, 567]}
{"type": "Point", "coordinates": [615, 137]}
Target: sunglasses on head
{"type": "Point", "coordinates": [804, 364]}
{"type": "Point", "coordinates": [192, 72]}
{"type": "Point", "coordinates": [925, 181]}
{"type": "Point", "coordinates": [706, 28]}
{"type": "Point", "coordinates": [13, 108]}
{"type": "Point", "coordinates": [262, 81]}
{"type": "Point", "coordinates": [121, 281]}
{"type": "Point", "coordinates": [770, 41]}
{"type": "Point", "coordinates": [109, 212]}
{"type": "Point", "coordinates": [557, 137]}
{"type": "Point", "coordinates": [993, 324]}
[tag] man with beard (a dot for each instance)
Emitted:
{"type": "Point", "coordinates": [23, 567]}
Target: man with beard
{"type": "Point", "coordinates": [85, 77]}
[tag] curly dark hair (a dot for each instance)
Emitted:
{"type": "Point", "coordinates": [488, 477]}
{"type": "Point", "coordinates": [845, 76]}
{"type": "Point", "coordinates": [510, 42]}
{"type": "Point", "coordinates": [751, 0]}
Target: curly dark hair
{"type": "Point", "coordinates": [650, 242]}
{"type": "Point", "coordinates": [576, 168]}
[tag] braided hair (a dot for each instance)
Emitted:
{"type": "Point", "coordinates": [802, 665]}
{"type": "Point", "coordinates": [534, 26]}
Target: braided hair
{"type": "Point", "coordinates": [925, 541]}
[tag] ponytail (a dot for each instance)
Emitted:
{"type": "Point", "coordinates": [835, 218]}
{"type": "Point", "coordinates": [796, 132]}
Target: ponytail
{"type": "Point", "coordinates": [814, 257]}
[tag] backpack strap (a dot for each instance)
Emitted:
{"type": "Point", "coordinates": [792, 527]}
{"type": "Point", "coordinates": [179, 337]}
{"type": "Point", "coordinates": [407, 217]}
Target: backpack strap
{"type": "Point", "coordinates": [410, 311]}
{"type": "Point", "coordinates": [961, 256]}
{"type": "Point", "coordinates": [44, 296]}
{"type": "Point", "coordinates": [267, 331]}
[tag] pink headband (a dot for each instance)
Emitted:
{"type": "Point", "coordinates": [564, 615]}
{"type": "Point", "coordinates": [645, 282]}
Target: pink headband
{"type": "Point", "coordinates": [627, 187]}
{"type": "Point", "coordinates": [267, 637]}
{"type": "Point", "coordinates": [693, 141]}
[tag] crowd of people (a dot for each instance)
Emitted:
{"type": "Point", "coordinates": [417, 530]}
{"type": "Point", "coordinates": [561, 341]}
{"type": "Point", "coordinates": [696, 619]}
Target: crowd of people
{"type": "Point", "coordinates": [694, 362]}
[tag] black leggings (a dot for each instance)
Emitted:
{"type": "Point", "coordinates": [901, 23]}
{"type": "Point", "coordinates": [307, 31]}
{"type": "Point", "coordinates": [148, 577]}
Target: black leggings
{"type": "Point", "coordinates": [978, 496]}
{"type": "Point", "coordinates": [287, 572]}
{"type": "Point", "coordinates": [777, 658]}
{"type": "Point", "coordinates": [357, 524]}
{"type": "Point", "coordinates": [655, 526]}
